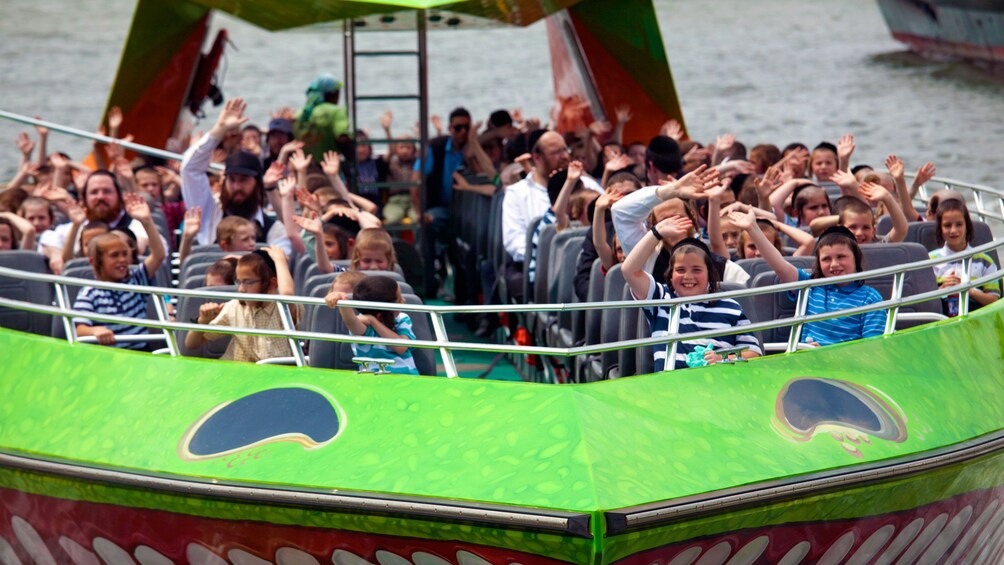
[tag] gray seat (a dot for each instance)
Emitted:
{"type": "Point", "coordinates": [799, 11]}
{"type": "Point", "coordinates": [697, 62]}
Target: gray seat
{"type": "Point", "coordinates": [880, 255]}
{"type": "Point", "coordinates": [338, 355]}
{"type": "Point", "coordinates": [27, 291]}
{"type": "Point", "coordinates": [632, 326]}
{"type": "Point", "coordinates": [757, 265]}
{"type": "Point", "coordinates": [926, 234]}
{"type": "Point", "coordinates": [613, 290]}
{"type": "Point", "coordinates": [567, 242]}
{"type": "Point", "coordinates": [187, 310]}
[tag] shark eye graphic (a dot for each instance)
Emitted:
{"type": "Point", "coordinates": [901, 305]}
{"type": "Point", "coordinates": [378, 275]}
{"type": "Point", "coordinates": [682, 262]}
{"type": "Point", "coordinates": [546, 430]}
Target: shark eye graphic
{"type": "Point", "coordinates": [297, 415]}
{"type": "Point", "coordinates": [810, 406]}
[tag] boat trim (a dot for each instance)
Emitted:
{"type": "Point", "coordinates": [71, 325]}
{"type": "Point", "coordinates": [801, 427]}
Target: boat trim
{"type": "Point", "coordinates": [658, 513]}
{"type": "Point", "coordinates": [493, 515]}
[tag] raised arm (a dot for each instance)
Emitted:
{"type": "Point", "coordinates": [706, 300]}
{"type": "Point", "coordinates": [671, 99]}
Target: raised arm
{"type": "Point", "coordinates": [845, 148]}
{"type": "Point", "coordinates": [786, 272]}
{"type": "Point", "coordinates": [613, 165]}
{"type": "Point", "coordinates": [77, 218]}
{"type": "Point", "coordinates": [633, 268]}
{"type": "Point", "coordinates": [275, 173]}
{"type": "Point", "coordinates": [878, 193]}
{"type": "Point", "coordinates": [560, 207]}
{"type": "Point", "coordinates": [925, 173]}
{"type": "Point", "coordinates": [476, 153]}
{"type": "Point", "coordinates": [23, 227]}
{"type": "Point", "coordinates": [190, 229]}
{"type": "Point", "coordinates": [624, 116]}
{"type": "Point", "coordinates": [897, 171]}
{"type": "Point", "coordinates": [43, 139]}
{"type": "Point", "coordinates": [287, 191]}
{"type": "Point", "coordinates": [282, 274]}
{"type": "Point", "coordinates": [779, 196]}
{"type": "Point", "coordinates": [714, 196]}
{"type": "Point", "coordinates": [314, 226]}
{"type": "Point", "coordinates": [139, 210]}
{"type": "Point", "coordinates": [847, 183]}
{"type": "Point", "coordinates": [599, 225]}
{"type": "Point", "coordinates": [805, 244]}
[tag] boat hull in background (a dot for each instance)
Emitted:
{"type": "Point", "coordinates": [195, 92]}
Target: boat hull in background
{"type": "Point", "coordinates": [971, 29]}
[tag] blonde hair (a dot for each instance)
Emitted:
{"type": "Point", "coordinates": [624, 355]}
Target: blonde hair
{"type": "Point", "coordinates": [227, 228]}
{"type": "Point", "coordinates": [374, 239]}
{"type": "Point", "coordinates": [348, 278]}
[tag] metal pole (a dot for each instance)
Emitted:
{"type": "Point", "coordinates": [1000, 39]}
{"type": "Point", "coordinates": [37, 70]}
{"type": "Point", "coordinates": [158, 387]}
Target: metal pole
{"type": "Point", "coordinates": [423, 235]}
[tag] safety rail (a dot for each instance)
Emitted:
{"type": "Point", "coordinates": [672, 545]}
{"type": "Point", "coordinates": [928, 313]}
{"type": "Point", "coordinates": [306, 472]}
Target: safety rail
{"type": "Point", "coordinates": [446, 347]}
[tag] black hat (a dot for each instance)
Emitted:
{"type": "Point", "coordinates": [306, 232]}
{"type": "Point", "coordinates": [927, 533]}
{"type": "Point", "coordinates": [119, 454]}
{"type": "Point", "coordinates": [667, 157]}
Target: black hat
{"type": "Point", "coordinates": [664, 153]}
{"type": "Point", "coordinates": [500, 118]}
{"type": "Point", "coordinates": [268, 260]}
{"type": "Point", "coordinates": [533, 138]}
{"type": "Point", "coordinates": [243, 163]}
{"type": "Point", "coordinates": [838, 230]}
{"type": "Point", "coordinates": [695, 242]}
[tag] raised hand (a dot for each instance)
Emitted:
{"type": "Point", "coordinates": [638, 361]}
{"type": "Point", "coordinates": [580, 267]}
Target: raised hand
{"type": "Point", "coordinates": [312, 225]}
{"type": "Point", "coordinates": [672, 129]}
{"type": "Point", "coordinates": [716, 191]}
{"type": "Point", "coordinates": [623, 114]}
{"type": "Point", "coordinates": [288, 149]}
{"type": "Point", "coordinates": [386, 119]}
{"type": "Point", "coordinates": [895, 166]}
{"type": "Point", "coordinates": [75, 212]}
{"type": "Point", "coordinates": [58, 195]}
{"type": "Point", "coordinates": [276, 171]}
{"type": "Point", "coordinates": [845, 147]}
{"type": "Point", "coordinates": [526, 161]}
{"type": "Point", "coordinates": [308, 200]}
{"type": "Point", "coordinates": [696, 182]}
{"type": "Point", "coordinates": [617, 163]}
{"type": "Point", "coordinates": [738, 166]}
{"type": "Point", "coordinates": [609, 198]}
{"type": "Point", "coordinates": [575, 171]}
{"type": "Point", "coordinates": [136, 207]}
{"type": "Point", "coordinates": [743, 220]}
{"type": "Point", "coordinates": [276, 253]}
{"type": "Point", "coordinates": [437, 123]}
{"type": "Point", "coordinates": [114, 119]}
{"type": "Point", "coordinates": [287, 186]}
{"type": "Point", "coordinates": [925, 173]}
{"type": "Point", "coordinates": [532, 124]}
{"type": "Point", "coordinates": [193, 221]}
{"type": "Point", "coordinates": [600, 127]}
{"type": "Point", "coordinates": [284, 113]}
{"type": "Point", "coordinates": [725, 142]}
{"type": "Point", "coordinates": [59, 162]}
{"type": "Point", "coordinates": [300, 162]}
{"type": "Point", "coordinates": [517, 116]}
{"type": "Point", "coordinates": [873, 191]}
{"type": "Point", "coordinates": [25, 144]}
{"type": "Point", "coordinates": [42, 130]}
{"type": "Point", "coordinates": [122, 168]}
{"type": "Point", "coordinates": [844, 179]}
{"type": "Point", "coordinates": [674, 228]}
{"type": "Point", "coordinates": [232, 116]}
{"type": "Point", "coordinates": [209, 311]}
{"type": "Point", "coordinates": [331, 164]}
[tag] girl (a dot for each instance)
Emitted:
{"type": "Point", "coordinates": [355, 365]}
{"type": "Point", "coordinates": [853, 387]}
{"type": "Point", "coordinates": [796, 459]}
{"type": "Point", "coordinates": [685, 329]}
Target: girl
{"type": "Point", "coordinates": [746, 249]}
{"type": "Point", "coordinates": [691, 273]}
{"type": "Point", "coordinates": [374, 251]}
{"type": "Point", "coordinates": [16, 232]}
{"type": "Point", "coordinates": [808, 202]}
{"type": "Point", "coordinates": [111, 259]}
{"type": "Point", "coordinates": [837, 253]}
{"type": "Point", "coordinates": [264, 271]}
{"type": "Point", "coordinates": [955, 233]}
{"type": "Point", "coordinates": [378, 323]}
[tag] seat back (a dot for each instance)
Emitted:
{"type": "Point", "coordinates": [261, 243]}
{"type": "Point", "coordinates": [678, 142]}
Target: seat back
{"type": "Point", "coordinates": [27, 291]}
{"type": "Point", "coordinates": [610, 318]}
{"type": "Point", "coordinates": [592, 318]}
{"type": "Point", "coordinates": [758, 265]}
{"type": "Point", "coordinates": [881, 255]}
{"type": "Point", "coordinates": [543, 263]}
{"type": "Point", "coordinates": [188, 310]}
{"type": "Point", "coordinates": [632, 326]}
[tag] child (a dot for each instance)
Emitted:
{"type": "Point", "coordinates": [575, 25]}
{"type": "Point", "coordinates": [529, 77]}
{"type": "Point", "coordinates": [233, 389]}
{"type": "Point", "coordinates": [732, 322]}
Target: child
{"type": "Point", "coordinates": [374, 251]}
{"type": "Point", "coordinates": [823, 161]}
{"type": "Point", "coordinates": [334, 238]}
{"type": "Point", "coordinates": [111, 257]}
{"type": "Point", "coordinates": [955, 233]}
{"type": "Point", "coordinates": [746, 249]}
{"type": "Point", "coordinates": [378, 323]}
{"type": "Point", "coordinates": [808, 202]}
{"type": "Point", "coordinates": [39, 214]}
{"type": "Point", "coordinates": [837, 253]}
{"type": "Point", "coordinates": [858, 216]}
{"type": "Point", "coordinates": [344, 284]}
{"type": "Point", "coordinates": [264, 271]}
{"type": "Point", "coordinates": [16, 232]}
{"type": "Point", "coordinates": [691, 273]}
{"type": "Point", "coordinates": [222, 272]}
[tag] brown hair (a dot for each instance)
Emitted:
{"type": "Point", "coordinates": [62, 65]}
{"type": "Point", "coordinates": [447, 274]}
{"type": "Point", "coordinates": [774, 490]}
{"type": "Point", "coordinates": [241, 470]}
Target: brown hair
{"type": "Point", "coordinates": [227, 228]}
{"type": "Point", "coordinates": [950, 205]}
{"type": "Point", "coordinates": [97, 247]}
{"type": "Point", "coordinates": [374, 239]}
{"type": "Point", "coordinates": [225, 268]}
{"type": "Point", "coordinates": [11, 199]}
{"type": "Point", "coordinates": [14, 235]}
{"type": "Point", "coordinates": [854, 205]}
{"type": "Point", "coordinates": [763, 156]}
{"type": "Point", "coordinates": [256, 262]}
{"type": "Point", "coordinates": [350, 278]}
{"type": "Point", "coordinates": [37, 201]}
{"type": "Point", "coordinates": [377, 288]}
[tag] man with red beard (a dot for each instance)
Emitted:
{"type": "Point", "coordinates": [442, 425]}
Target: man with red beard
{"type": "Point", "coordinates": [101, 198]}
{"type": "Point", "coordinates": [243, 192]}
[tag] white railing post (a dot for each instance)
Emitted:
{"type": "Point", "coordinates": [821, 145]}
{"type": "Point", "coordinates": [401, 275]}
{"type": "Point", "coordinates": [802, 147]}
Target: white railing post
{"type": "Point", "coordinates": [674, 327]}
{"type": "Point", "coordinates": [801, 303]}
{"type": "Point", "coordinates": [160, 305]}
{"type": "Point", "coordinates": [967, 263]}
{"type": "Point", "coordinates": [63, 301]}
{"type": "Point", "coordinates": [289, 326]}
{"type": "Point", "coordinates": [443, 337]}
{"type": "Point", "coordinates": [893, 312]}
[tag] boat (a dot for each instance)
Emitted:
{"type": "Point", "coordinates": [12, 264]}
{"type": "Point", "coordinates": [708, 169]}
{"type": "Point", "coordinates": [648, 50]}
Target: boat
{"type": "Point", "coordinates": [885, 449]}
{"type": "Point", "coordinates": [966, 29]}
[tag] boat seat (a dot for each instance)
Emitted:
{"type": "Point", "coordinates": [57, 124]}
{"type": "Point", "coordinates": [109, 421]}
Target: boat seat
{"type": "Point", "coordinates": [77, 262]}
{"type": "Point", "coordinates": [564, 249]}
{"type": "Point", "coordinates": [300, 267]}
{"type": "Point", "coordinates": [591, 318]}
{"type": "Point", "coordinates": [613, 290]}
{"type": "Point", "coordinates": [757, 265]}
{"type": "Point", "coordinates": [632, 326]}
{"type": "Point", "coordinates": [338, 355]}
{"type": "Point", "coordinates": [36, 292]}
{"type": "Point", "coordinates": [563, 333]}
{"type": "Point", "coordinates": [187, 310]}
{"type": "Point", "coordinates": [926, 234]}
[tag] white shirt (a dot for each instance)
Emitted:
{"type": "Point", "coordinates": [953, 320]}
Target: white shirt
{"type": "Point", "coordinates": [630, 216]}
{"type": "Point", "coordinates": [524, 201]}
{"type": "Point", "coordinates": [59, 233]}
{"type": "Point", "coordinates": [196, 191]}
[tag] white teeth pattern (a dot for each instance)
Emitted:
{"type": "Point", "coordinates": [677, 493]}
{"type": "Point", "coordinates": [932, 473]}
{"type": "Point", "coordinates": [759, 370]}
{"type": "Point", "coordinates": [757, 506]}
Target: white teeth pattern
{"type": "Point", "coordinates": [716, 555]}
{"type": "Point", "coordinates": [241, 557]}
{"type": "Point", "coordinates": [422, 558]}
{"type": "Point", "coordinates": [388, 558]}
{"type": "Point", "coordinates": [293, 556]}
{"type": "Point", "coordinates": [686, 557]}
{"type": "Point", "coordinates": [973, 531]}
{"type": "Point", "coordinates": [900, 542]}
{"type": "Point", "coordinates": [838, 550]}
{"type": "Point", "coordinates": [750, 552]}
{"type": "Point", "coordinates": [870, 548]}
{"type": "Point", "coordinates": [150, 556]}
{"type": "Point", "coordinates": [342, 557]}
{"type": "Point", "coordinates": [7, 555]}
{"type": "Point", "coordinates": [796, 554]}
{"type": "Point", "coordinates": [200, 555]}
{"type": "Point", "coordinates": [31, 542]}
{"type": "Point", "coordinates": [991, 541]}
{"type": "Point", "coordinates": [939, 547]}
{"type": "Point", "coordinates": [77, 552]}
{"type": "Point", "coordinates": [111, 553]}
{"type": "Point", "coordinates": [468, 558]}
{"type": "Point", "coordinates": [924, 539]}
{"type": "Point", "coordinates": [984, 536]}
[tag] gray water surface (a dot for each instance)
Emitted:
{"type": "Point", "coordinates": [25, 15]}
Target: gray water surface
{"type": "Point", "coordinates": [772, 71]}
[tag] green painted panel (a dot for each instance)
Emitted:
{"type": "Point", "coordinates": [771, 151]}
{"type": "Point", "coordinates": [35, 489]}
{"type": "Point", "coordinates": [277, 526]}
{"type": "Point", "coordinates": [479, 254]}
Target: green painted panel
{"type": "Point", "coordinates": [583, 448]}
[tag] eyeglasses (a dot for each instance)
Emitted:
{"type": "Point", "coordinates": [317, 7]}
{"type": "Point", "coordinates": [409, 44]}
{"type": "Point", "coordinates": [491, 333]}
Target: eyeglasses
{"type": "Point", "coordinates": [247, 282]}
{"type": "Point", "coordinates": [460, 127]}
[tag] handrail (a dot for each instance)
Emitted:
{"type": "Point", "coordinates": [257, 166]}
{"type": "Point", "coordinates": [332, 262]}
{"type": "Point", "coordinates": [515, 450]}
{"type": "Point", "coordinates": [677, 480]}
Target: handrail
{"type": "Point", "coordinates": [446, 346]}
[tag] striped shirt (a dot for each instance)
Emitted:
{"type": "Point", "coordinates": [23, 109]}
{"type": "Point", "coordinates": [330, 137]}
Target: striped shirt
{"type": "Point", "coordinates": [548, 219]}
{"type": "Point", "coordinates": [832, 298]}
{"type": "Point", "coordinates": [981, 265]}
{"type": "Point", "coordinates": [404, 363]}
{"type": "Point", "coordinates": [695, 317]}
{"type": "Point", "coordinates": [116, 303]}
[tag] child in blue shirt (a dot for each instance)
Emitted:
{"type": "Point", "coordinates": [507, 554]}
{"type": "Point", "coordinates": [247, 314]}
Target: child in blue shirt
{"type": "Point", "coordinates": [837, 253]}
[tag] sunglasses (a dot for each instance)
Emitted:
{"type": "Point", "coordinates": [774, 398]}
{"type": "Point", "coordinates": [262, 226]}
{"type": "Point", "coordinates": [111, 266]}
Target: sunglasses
{"type": "Point", "coordinates": [460, 127]}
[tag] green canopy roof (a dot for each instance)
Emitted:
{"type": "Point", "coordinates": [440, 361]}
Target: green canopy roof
{"type": "Point", "coordinates": [282, 14]}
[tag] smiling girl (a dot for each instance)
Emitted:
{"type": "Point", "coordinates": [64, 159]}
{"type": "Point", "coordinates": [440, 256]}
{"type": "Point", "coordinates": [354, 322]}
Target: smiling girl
{"type": "Point", "coordinates": [691, 273]}
{"type": "Point", "coordinates": [955, 232]}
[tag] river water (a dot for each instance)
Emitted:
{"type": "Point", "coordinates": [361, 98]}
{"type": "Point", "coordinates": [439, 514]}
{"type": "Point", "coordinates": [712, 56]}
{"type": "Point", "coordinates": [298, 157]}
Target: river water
{"type": "Point", "coordinates": [769, 71]}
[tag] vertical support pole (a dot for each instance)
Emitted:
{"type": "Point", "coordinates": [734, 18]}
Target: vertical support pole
{"type": "Point", "coordinates": [674, 328]}
{"type": "Point", "coordinates": [349, 56]}
{"type": "Point", "coordinates": [893, 313]}
{"type": "Point", "coordinates": [424, 234]}
{"type": "Point", "coordinates": [443, 338]}
{"type": "Point", "coordinates": [63, 301]}
{"type": "Point", "coordinates": [289, 326]}
{"type": "Point", "coordinates": [801, 303]}
{"type": "Point", "coordinates": [964, 295]}
{"type": "Point", "coordinates": [160, 305]}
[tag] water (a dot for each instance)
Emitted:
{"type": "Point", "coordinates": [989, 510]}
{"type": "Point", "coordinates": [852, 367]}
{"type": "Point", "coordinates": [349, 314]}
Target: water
{"type": "Point", "coordinates": [771, 71]}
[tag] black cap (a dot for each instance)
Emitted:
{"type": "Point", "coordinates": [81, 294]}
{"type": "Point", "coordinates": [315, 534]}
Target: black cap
{"type": "Point", "coordinates": [534, 137]}
{"type": "Point", "coordinates": [243, 163]}
{"type": "Point", "coordinates": [664, 153]}
{"type": "Point", "coordinates": [500, 118]}
{"type": "Point", "coordinates": [268, 260]}
{"type": "Point", "coordinates": [838, 230]}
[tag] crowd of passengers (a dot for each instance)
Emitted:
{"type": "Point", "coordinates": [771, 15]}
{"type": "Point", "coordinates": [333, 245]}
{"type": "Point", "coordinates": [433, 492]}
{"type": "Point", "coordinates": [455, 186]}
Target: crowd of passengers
{"type": "Point", "coordinates": [675, 213]}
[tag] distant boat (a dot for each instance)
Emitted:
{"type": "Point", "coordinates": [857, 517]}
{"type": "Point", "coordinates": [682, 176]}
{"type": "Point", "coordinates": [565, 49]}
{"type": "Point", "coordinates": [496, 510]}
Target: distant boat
{"type": "Point", "coordinates": [972, 29]}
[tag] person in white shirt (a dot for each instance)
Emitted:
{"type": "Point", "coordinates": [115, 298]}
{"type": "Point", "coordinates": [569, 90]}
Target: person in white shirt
{"type": "Point", "coordinates": [243, 192]}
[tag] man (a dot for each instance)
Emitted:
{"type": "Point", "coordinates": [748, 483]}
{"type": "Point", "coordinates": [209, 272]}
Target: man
{"type": "Point", "coordinates": [528, 199]}
{"type": "Point", "coordinates": [101, 197]}
{"type": "Point", "coordinates": [243, 192]}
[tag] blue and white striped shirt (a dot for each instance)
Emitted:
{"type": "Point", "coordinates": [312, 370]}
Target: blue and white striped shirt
{"type": "Point", "coordinates": [404, 363]}
{"type": "Point", "coordinates": [547, 219]}
{"type": "Point", "coordinates": [695, 317]}
{"type": "Point", "coordinates": [116, 303]}
{"type": "Point", "coordinates": [831, 298]}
